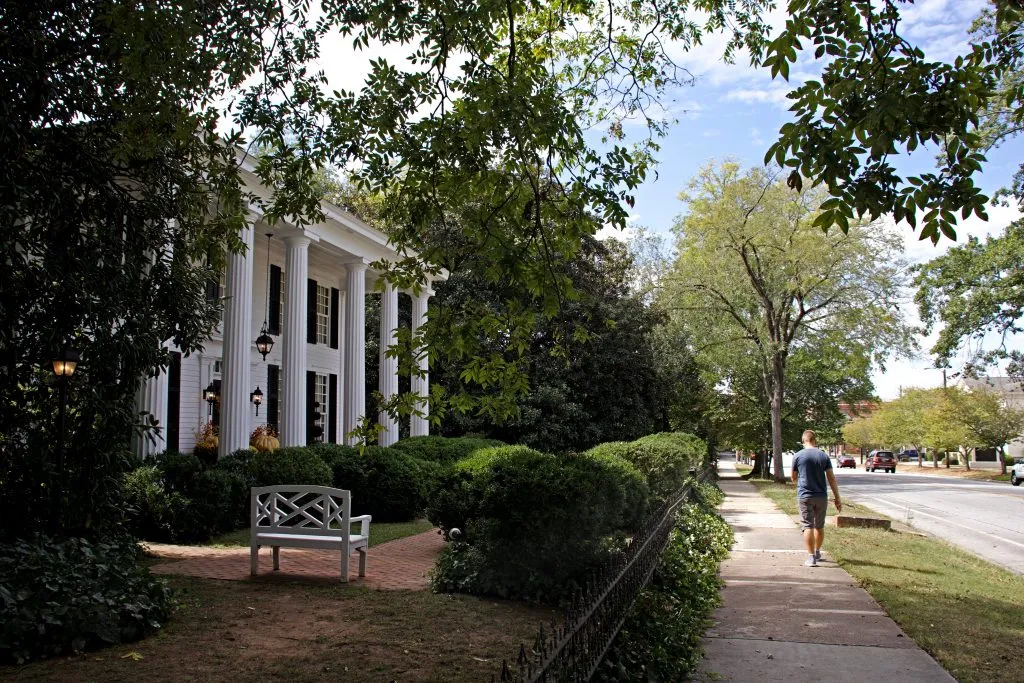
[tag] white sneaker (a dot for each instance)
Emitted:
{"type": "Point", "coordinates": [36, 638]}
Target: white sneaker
{"type": "Point", "coordinates": [817, 555]}
{"type": "Point", "coordinates": [811, 562]}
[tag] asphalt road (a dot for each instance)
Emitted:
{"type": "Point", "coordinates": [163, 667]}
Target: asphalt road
{"type": "Point", "coordinates": [986, 518]}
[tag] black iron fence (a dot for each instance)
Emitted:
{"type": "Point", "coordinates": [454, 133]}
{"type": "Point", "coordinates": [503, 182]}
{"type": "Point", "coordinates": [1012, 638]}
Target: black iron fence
{"type": "Point", "coordinates": [572, 651]}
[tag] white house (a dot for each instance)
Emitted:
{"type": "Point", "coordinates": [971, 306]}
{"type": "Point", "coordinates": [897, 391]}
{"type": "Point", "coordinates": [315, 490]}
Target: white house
{"type": "Point", "coordinates": [1012, 395]}
{"type": "Point", "coordinates": [313, 379]}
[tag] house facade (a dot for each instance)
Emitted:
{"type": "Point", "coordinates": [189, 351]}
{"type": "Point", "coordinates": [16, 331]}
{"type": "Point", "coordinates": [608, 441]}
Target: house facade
{"type": "Point", "coordinates": [1012, 394]}
{"type": "Point", "coordinates": [309, 286]}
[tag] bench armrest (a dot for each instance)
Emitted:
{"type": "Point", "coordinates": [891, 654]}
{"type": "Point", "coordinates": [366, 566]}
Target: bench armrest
{"type": "Point", "coordinates": [364, 522]}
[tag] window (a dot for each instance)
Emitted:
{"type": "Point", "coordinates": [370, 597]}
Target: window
{"type": "Point", "coordinates": [323, 318]}
{"type": "Point", "coordinates": [282, 295]}
{"type": "Point", "coordinates": [320, 396]}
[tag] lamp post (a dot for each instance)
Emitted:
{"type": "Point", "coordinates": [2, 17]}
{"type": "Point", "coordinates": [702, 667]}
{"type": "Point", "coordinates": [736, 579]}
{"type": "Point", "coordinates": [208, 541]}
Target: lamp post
{"type": "Point", "coordinates": [257, 398]}
{"type": "Point", "coordinates": [210, 394]}
{"type": "Point", "coordinates": [63, 367]}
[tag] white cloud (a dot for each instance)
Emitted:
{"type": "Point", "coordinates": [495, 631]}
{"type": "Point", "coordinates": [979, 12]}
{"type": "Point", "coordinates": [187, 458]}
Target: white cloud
{"type": "Point", "coordinates": [627, 234]}
{"type": "Point", "coordinates": [711, 132]}
{"type": "Point", "coordinates": [755, 138]}
{"type": "Point", "coordinates": [775, 95]}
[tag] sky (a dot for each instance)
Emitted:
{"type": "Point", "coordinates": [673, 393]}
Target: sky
{"type": "Point", "coordinates": [734, 111]}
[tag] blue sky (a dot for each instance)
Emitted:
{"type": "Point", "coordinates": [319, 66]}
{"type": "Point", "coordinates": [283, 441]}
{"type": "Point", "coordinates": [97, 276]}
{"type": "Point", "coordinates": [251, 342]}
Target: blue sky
{"type": "Point", "coordinates": [735, 111]}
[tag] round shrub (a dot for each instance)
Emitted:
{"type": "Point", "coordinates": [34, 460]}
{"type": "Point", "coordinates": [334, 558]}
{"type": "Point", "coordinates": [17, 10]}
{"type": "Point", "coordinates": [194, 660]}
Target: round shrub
{"type": "Point", "coordinates": [665, 460]}
{"type": "Point", "coordinates": [239, 462]}
{"type": "Point", "coordinates": [393, 490]}
{"type": "Point", "coordinates": [441, 449]}
{"type": "Point", "coordinates": [535, 523]}
{"type": "Point", "coordinates": [293, 465]}
{"type": "Point", "coordinates": [625, 486]}
{"type": "Point", "coordinates": [180, 470]}
{"type": "Point", "coordinates": [70, 595]}
{"type": "Point", "coordinates": [221, 500]}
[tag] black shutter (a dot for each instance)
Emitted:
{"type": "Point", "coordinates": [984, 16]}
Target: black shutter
{"type": "Point", "coordinates": [333, 322]}
{"type": "Point", "coordinates": [212, 290]}
{"type": "Point", "coordinates": [332, 409]}
{"type": "Point", "coordinates": [173, 402]}
{"type": "Point", "coordinates": [311, 313]}
{"type": "Point", "coordinates": [313, 430]}
{"type": "Point", "coordinates": [275, 301]}
{"type": "Point", "coordinates": [272, 396]}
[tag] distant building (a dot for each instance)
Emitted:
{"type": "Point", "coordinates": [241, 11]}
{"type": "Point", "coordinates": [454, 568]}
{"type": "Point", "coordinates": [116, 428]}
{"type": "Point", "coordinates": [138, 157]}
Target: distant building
{"type": "Point", "coordinates": [1012, 393]}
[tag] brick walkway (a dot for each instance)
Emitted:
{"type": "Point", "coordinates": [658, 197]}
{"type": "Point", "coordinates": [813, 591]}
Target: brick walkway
{"type": "Point", "coordinates": [398, 565]}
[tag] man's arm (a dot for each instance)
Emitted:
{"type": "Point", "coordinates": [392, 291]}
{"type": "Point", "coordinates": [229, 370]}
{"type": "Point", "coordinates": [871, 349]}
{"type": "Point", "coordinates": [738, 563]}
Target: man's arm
{"type": "Point", "coordinates": [835, 488]}
{"type": "Point", "coordinates": [793, 471]}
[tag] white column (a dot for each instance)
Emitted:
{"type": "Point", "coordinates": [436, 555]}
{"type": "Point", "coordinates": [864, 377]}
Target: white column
{"type": "Point", "coordinates": [293, 396]}
{"type": "Point", "coordinates": [236, 377]}
{"type": "Point", "coordinates": [355, 346]}
{"type": "Point", "coordinates": [339, 408]}
{"type": "Point", "coordinates": [388, 384]}
{"type": "Point", "coordinates": [420, 386]}
{"type": "Point", "coordinates": [152, 399]}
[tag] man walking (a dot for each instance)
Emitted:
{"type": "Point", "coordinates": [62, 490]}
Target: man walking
{"type": "Point", "coordinates": [811, 468]}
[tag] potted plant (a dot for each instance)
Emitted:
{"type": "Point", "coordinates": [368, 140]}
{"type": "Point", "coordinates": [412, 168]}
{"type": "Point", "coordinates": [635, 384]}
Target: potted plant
{"type": "Point", "coordinates": [207, 441]}
{"type": "Point", "coordinates": [264, 439]}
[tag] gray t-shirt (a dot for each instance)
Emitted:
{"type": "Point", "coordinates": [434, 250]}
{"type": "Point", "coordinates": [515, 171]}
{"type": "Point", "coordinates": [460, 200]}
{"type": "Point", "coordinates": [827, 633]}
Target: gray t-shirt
{"type": "Point", "coordinates": [810, 465]}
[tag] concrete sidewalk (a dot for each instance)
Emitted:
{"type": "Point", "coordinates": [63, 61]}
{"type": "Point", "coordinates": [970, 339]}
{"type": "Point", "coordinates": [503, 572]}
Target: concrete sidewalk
{"type": "Point", "coordinates": [781, 621]}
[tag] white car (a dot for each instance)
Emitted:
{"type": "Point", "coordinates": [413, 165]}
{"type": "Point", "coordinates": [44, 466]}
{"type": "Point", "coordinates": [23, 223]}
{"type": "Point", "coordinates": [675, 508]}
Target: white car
{"type": "Point", "coordinates": [1017, 473]}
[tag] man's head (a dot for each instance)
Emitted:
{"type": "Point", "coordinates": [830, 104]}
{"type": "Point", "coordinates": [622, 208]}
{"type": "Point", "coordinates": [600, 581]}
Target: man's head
{"type": "Point", "coordinates": [809, 438]}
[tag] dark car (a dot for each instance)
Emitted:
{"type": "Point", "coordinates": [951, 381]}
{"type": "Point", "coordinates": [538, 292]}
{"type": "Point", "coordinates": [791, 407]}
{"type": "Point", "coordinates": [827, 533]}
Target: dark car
{"type": "Point", "coordinates": [845, 460]}
{"type": "Point", "coordinates": [907, 455]}
{"type": "Point", "coordinates": [880, 460]}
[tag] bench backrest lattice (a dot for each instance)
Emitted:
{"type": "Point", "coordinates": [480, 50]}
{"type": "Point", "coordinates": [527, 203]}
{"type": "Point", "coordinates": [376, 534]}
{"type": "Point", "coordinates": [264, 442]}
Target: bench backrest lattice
{"type": "Point", "coordinates": [307, 510]}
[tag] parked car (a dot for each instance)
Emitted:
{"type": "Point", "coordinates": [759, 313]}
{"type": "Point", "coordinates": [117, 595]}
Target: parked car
{"type": "Point", "coordinates": [908, 455]}
{"type": "Point", "coordinates": [845, 460]}
{"type": "Point", "coordinates": [1017, 473]}
{"type": "Point", "coordinates": [880, 460]}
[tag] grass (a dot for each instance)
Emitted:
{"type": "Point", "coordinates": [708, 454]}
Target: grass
{"type": "Point", "coordinates": [743, 469]}
{"type": "Point", "coordinates": [955, 471]}
{"type": "Point", "coordinates": [380, 532]}
{"type": "Point", "coordinates": [245, 631]}
{"type": "Point", "coordinates": [964, 611]}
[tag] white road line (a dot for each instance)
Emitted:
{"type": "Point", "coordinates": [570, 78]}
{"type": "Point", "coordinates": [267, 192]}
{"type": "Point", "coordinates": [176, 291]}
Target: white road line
{"type": "Point", "coordinates": [946, 521]}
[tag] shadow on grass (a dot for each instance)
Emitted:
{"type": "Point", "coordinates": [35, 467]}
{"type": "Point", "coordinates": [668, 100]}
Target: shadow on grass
{"type": "Point", "coordinates": [862, 563]}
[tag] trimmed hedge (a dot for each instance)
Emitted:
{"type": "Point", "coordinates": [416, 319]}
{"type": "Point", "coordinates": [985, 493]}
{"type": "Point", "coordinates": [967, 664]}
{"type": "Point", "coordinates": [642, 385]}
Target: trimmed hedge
{"type": "Point", "coordinates": [533, 524]}
{"type": "Point", "coordinates": [442, 449]}
{"type": "Point", "coordinates": [293, 465]}
{"type": "Point", "coordinates": [70, 595]}
{"type": "Point", "coordinates": [664, 459]}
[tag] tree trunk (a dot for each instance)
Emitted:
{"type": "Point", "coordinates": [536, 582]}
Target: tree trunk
{"type": "Point", "coordinates": [1002, 460]}
{"type": "Point", "coordinates": [947, 460]}
{"type": "Point", "coordinates": [935, 459]}
{"type": "Point", "coordinates": [759, 469]}
{"type": "Point", "coordinates": [778, 377]}
{"type": "Point", "coordinates": [966, 458]}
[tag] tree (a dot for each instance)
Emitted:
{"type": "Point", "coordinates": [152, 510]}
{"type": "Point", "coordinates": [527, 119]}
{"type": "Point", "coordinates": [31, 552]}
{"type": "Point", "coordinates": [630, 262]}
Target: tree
{"type": "Point", "coordinates": [120, 190]}
{"type": "Point", "coordinates": [878, 95]}
{"type": "Point", "coordinates": [988, 420]}
{"type": "Point", "coordinates": [861, 432]}
{"type": "Point", "coordinates": [944, 430]}
{"type": "Point", "coordinates": [975, 290]}
{"type": "Point", "coordinates": [754, 271]}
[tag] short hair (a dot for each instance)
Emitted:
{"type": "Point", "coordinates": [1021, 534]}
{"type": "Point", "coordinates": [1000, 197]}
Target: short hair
{"type": "Point", "coordinates": [809, 437]}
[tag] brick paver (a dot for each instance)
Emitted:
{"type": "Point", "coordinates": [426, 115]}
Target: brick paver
{"type": "Point", "coordinates": [403, 564]}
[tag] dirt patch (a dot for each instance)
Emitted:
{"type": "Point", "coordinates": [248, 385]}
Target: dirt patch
{"type": "Point", "coordinates": [235, 631]}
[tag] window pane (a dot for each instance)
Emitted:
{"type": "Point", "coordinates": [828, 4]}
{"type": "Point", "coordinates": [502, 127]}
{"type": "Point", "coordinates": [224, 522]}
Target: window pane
{"type": "Point", "coordinates": [323, 314]}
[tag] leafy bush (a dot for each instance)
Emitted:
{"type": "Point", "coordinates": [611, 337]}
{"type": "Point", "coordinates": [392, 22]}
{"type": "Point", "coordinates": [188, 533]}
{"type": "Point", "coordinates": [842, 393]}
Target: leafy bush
{"type": "Point", "coordinates": [70, 595]}
{"type": "Point", "coordinates": [240, 463]}
{"type": "Point", "coordinates": [394, 492]}
{"type": "Point", "coordinates": [293, 465]}
{"type": "Point", "coordinates": [441, 449]}
{"type": "Point", "coordinates": [661, 636]}
{"type": "Point", "coordinates": [153, 512]}
{"type": "Point", "coordinates": [664, 459]}
{"type": "Point", "coordinates": [180, 470]}
{"type": "Point", "coordinates": [627, 489]}
{"type": "Point", "coordinates": [533, 524]}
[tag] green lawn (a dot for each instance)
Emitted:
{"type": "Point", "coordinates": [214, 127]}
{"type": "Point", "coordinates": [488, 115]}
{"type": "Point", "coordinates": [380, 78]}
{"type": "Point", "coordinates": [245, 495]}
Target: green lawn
{"type": "Point", "coordinates": [963, 610]}
{"type": "Point", "coordinates": [380, 532]}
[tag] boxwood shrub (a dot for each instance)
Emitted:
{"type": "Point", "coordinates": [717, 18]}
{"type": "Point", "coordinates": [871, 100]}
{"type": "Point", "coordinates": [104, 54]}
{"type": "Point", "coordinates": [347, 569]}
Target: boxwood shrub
{"type": "Point", "coordinates": [533, 524]}
{"type": "Point", "coordinates": [441, 449]}
{"type": "Point", "coordinates": [293, 465]}
{"type": "Point", "coordinates": [70, 595]}
{"type": "Point", "coordinates": [664, 459]}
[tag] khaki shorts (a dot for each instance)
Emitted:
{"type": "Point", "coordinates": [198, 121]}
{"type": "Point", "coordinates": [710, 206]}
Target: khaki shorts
{"type": "Point", "coordinates": [812, 512]}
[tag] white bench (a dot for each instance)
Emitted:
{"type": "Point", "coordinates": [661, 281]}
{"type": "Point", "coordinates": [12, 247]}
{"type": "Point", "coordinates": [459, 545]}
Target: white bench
{"type": "Point", "coordinates": [306, 517]}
